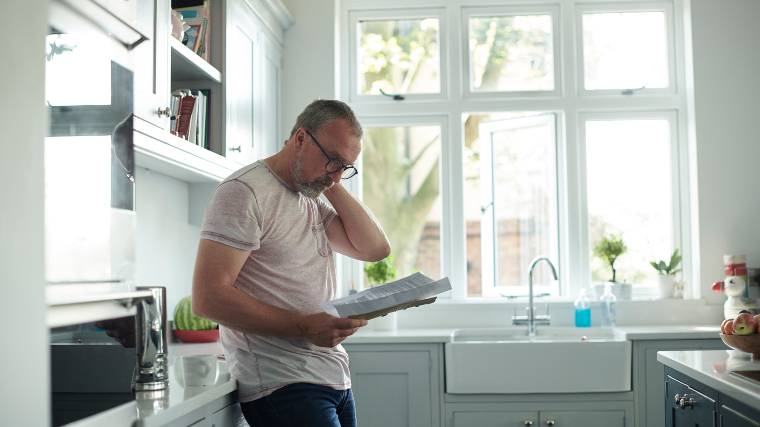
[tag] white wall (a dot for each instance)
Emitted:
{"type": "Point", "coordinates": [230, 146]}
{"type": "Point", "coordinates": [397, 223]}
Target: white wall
{"type": "Point", "coordinates": [309, 58]}
{"type": "Point", "coordinates": [166, 241]}
{"type": "Point", "coordinates": [726, 40]}
{"type": "Point", "coordinates": [24, 395]}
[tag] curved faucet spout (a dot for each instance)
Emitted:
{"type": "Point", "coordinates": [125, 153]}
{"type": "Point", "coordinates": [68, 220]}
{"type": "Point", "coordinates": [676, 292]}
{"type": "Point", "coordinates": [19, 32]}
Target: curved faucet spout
{"type": "Point", "coordinates": [531, 310]}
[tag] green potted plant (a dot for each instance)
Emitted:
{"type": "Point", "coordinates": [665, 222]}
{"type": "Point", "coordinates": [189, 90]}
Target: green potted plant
{"type": "Point", "coordinates": [381, 271]}
{"type": "Point", "coordinates": [608, 250]}
{"type": "Point", "coordinates": [377, 273]}
{"type": "Point", "coordinates": [666, 279]}
{"type": "Point", "coordinates": [188, 327]}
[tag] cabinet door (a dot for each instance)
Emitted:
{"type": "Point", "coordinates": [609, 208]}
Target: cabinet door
{"type": "Point", "coordinates": [495, 419]}
{"type": "Point", "coordinates": [393, 388]}
{"type": "Point", "coordinates": [271, 60]}
{"type": "Point", "coordinates": [582, 418]}
{"type": "Point", "coordinates": [151, 62]}
{"type": "Point", "coordinates": [230, 416]}
{"type": "Point", "coordinates": [699, 413]}
{"type": "Point", "coordinates": [241, 74]}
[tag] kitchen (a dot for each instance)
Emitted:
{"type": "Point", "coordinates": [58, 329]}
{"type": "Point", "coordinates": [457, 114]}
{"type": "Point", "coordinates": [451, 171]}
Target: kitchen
{"type": "Point", "coordinates": [713, 67]}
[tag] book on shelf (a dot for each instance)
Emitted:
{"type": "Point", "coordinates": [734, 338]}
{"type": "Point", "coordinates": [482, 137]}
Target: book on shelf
{"type": "Point", "coordinates": [189, 118]}
{"type": "Point", "coordinates": [196, 17]}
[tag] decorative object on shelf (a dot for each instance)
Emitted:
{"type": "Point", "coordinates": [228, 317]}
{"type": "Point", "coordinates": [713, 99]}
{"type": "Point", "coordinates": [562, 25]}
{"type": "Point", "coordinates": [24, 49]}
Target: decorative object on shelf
{"type": "Point", "coordinates": [178, 25]}
{"type": "Point", "coordinates": [380, 272]}
{"type": "Point", "coordinates": [666, 279]}
{"type": "Point", "coordinates": [196, 22]}
{"type": "Point", "coordinates": [609, 249]}
{"type": "Point", "coordinates": [190, 328]}
{"type": "Point", "coordinates": [736, 285]}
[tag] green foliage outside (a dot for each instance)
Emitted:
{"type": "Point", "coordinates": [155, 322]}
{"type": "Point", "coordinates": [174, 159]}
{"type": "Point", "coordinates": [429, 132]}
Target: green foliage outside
{"type": "Point", "coordinates": [608, 249]}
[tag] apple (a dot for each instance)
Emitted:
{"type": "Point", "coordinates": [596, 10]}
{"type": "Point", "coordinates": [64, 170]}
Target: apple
{"type": "Point", "coordinates": [727, 327]}
{"type": "Point", "coordinates": [745, 324]}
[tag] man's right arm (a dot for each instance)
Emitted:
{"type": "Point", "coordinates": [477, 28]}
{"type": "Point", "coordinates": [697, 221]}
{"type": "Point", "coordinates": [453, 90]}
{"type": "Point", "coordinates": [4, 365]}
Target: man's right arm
{"type": "Point", "coordinates": [214, 297]}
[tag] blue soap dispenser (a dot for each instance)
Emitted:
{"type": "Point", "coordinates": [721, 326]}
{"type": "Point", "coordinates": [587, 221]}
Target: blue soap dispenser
{"type": "Point", "coordinates": [582, 310]}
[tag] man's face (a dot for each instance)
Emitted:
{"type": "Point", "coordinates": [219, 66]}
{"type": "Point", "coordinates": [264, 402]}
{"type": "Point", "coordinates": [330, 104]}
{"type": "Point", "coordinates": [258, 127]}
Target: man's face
{"type": "Point", "coordinates": [338, 141]}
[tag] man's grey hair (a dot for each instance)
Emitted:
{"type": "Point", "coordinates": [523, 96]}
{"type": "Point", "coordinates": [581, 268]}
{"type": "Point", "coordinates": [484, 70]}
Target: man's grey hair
{"type": "Point", "coordinates": [323, 111]}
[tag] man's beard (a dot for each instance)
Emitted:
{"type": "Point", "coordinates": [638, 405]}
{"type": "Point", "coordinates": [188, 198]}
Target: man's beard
{"type": "Point", "coordinates": [311, 189]}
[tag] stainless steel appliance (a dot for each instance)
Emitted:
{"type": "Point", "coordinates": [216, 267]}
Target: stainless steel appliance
{"type": "Point", "coordinates": [89, 157]}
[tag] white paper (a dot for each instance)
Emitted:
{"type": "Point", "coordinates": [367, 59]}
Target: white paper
{"type": "Point", "coordinates": [410, 288]}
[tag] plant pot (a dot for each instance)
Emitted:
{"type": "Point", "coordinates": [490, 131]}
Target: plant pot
{"type": "Point", "coordinates": [665, 285]}
{"type": "Point", "coordinates": [622, 291]}
{"type": "Point", "coordinates": [389, 322]}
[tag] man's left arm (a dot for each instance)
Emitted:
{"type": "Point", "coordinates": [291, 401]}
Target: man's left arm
{"type": "Point", "coordinates": [354, 231]}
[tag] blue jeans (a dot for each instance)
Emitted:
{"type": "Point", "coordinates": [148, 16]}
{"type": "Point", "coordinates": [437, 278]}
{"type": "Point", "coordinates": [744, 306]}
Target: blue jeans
{"type": "Point", "coordinates": [302, 405]}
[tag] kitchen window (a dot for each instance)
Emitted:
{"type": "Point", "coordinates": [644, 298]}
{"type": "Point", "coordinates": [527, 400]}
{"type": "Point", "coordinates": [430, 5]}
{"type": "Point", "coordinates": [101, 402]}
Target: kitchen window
{"type": "Point", "coordinates": [565, 125]}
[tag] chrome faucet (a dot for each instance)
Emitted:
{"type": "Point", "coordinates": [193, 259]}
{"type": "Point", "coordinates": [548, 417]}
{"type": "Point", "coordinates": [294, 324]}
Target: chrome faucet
{"type": "Point", "coordinates": [532, 319]}
{"type": "Point", "coordinates": [151, 372]}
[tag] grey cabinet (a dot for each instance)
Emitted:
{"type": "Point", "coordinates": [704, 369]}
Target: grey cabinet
{"type": "Point", "coordinates": [582, 418]}
{"type": "Point", "coordinates": [703, 406]}
{"type": "Point", "coordinates": [396, 384]}
{"type": "Point", "coordinates": [229, 416]}
{"type": "Point", "coordinates": [497, 418]}
{"type": "Point", "coordinates": [648, 386]}
{"type": "Point", "coordinates": [569, 410]}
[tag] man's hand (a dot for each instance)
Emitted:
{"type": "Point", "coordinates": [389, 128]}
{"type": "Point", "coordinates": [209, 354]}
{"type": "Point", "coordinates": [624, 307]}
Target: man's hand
{"type": "Point", "coordinates": [325, 330]}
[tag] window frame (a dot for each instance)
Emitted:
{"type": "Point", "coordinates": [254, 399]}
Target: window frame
{"type": "Point", "coordinates": [570, 106]}
{"type": "Point", "coordinates": [680, 239]}
{"type": "Point", "coordinates": [552, 10]}
{"type": "Point", "coordinates": [394, 14]}
{"type": "Point", "coordinates": [612, 7]}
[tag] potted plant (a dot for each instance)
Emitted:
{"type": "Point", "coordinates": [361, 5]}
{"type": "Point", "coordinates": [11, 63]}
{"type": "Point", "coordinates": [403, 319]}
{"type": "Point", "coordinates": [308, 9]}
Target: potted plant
{"type": "Point", "coordinates": [380, 272]}
{"type": "Point", "coordinates": [188, 327]}
{"type": "Point", "coordinates": [609, 249]}
{"type": "Point", "coordinates": [666, 279]}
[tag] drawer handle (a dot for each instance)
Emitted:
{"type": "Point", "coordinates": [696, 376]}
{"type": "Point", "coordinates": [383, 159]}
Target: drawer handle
{"type": "Point", "coordinates": [163, 112]}
{"type": "Point", "coordinates": [550, 423]}
{"type": "Point", "coordinates": [528, 423]}
{"type": "Point", "coordinates": [686, 402]}
{"type": "Point", "coordinates": [235, 148]}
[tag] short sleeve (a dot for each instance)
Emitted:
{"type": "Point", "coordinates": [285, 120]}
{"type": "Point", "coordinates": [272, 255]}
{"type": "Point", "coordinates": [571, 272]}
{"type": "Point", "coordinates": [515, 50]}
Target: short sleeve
{"type": "Point", "coordinates": [326, 212]}
{"type": "Point", "coordinates": [232, 217]}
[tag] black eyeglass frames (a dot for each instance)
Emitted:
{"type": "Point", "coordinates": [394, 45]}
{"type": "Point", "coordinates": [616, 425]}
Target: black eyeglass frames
{"type": "Point", "coordinates": [334, 165]}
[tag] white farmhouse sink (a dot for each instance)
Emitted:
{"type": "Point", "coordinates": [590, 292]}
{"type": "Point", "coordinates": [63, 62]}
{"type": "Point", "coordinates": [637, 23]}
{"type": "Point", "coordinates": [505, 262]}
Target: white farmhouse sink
{"type": "Point", "coordinates": [556, 360]}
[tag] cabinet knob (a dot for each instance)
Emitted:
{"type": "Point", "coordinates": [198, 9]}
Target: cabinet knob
{"type": "Point", "coordinates": [677, 398]}
{"type": "Point", "coordinates": [164, 111]}
{"type": "Point", "coordinates": [528, 422]}
{"type": "Point", "coordinates": [235, 148]}
{"type": "Point", "coordinates": [550, 423]}
{"type": "Point", "coordinates": [686, 402]}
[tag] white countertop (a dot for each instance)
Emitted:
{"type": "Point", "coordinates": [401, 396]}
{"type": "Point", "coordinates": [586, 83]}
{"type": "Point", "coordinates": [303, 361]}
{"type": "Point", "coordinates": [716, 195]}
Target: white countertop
{"type": "Point", "coordinates": [631, 333]}
{"type": "Point", "coordinates": [161, 408]}
{"type": "Point", "coordinates": [712, 368]}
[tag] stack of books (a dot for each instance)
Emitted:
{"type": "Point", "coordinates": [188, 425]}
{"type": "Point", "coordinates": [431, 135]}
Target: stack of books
{"type": "Point", "coordinates": [190, 118]}
{"type": "Point", "coordinates": [196, 29]}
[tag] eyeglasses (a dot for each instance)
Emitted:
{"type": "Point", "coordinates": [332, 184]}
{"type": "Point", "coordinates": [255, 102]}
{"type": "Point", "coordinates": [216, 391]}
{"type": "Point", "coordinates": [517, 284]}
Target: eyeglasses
{"type": "Point", "coordinates": [334, 165]}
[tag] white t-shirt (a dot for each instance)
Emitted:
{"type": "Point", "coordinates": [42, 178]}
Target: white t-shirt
{"type": "Point", "coordinates": [290, 266]}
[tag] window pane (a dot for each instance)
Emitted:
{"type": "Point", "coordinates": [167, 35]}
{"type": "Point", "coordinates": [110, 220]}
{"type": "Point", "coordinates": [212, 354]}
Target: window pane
{"type": "Point", "coordinates": [629, 185]}
{"type": "Point", "coordinates": [400, 174]}
{"type": "Point", "coordinates": [399, 56]}
{"type": "Point", "coordinates": [509, 201]}
{"type": "Point", "coordinates": [511, 53]}
{"type": "Point", "coordinates": [625, 50]}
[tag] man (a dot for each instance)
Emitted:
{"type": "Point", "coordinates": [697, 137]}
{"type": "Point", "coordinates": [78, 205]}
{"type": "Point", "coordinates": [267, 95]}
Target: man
{"type": "Point", "coordinates": [265, 266]}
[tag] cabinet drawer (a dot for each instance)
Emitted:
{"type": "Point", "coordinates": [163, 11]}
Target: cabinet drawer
{"type": "Point", "coordinates": [496, 419]}
{"type": "Point", "coordinates": [583, 418]}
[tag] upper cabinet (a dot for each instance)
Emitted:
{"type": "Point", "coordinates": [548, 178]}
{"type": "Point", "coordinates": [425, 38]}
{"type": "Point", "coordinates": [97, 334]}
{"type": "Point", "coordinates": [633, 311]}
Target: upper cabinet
{"type": "Point", "coordinates": [241, 80]}
{"type": "Point", "coordinates": [253, 63]}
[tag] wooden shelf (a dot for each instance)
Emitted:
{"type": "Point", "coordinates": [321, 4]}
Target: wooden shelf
{"type": "Point", "coordinates": [159, 150]}
{"type": "Point", "coordinates": [187, 65]}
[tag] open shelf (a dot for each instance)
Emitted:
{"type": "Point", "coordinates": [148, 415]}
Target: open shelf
{"type": "Point", "coordinates": [187, 65]}
{"type": "Point", "coordinates": [159, 150]}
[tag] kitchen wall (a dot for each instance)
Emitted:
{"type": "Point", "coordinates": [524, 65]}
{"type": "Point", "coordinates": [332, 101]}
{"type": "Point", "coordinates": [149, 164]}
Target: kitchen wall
{"type": "Point", "coordinates": [726, 75]}
{"type": "Point", "coordinates": [166, 241]}
{"type": "Point", "coordinates": [24, 396]}
{"type": "Point", "coordinates": [726, 41]}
